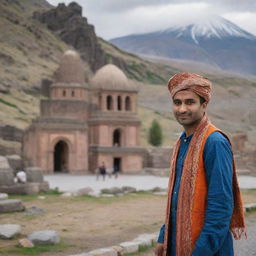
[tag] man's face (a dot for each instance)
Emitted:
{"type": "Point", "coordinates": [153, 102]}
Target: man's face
{"type": "Point", "coordinates": [187, 108]}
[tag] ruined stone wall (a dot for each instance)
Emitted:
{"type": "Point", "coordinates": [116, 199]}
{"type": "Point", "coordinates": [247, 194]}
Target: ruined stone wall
{"type": "Point", "coordinates": [158, 157]}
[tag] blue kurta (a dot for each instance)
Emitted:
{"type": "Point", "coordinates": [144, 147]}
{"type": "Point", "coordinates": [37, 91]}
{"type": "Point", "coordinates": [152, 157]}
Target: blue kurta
{"type": "Point", "coordinates": [215, 237]}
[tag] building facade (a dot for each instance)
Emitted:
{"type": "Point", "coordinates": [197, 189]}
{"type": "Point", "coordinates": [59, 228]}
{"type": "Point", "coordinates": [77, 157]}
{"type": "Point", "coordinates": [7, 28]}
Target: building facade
{"type": "Point", "coordinates": [84, 124]}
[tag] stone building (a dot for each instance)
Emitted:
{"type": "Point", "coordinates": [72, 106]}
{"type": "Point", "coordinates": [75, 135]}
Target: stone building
{"type": "Point", "coordinates": [84, 124]}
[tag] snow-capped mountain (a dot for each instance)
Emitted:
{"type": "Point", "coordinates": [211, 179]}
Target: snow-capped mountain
{"type": "Point", "coordinates": [213, 27]}
{"type": "Point", "coordinates": [216, 41]}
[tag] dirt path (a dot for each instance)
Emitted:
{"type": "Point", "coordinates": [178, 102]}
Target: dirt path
{"type": "Point", "coordinates": [90, 223]}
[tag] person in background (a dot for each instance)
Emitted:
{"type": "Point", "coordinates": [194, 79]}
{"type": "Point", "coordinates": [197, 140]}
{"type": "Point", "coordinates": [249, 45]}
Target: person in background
{"type": "Point", "coordinates": [102, 171]}
{"type": "Point", "coordinates": [204, 202]}
{"type": "Point", "coordinates": [21, 177]}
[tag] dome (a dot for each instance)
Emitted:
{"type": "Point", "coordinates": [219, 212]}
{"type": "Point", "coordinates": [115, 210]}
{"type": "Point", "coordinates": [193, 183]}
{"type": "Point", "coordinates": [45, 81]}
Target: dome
{"type": "Point", "coordinates": [110, 77]}
{"type": "Point", "coordinates": [71, 69]}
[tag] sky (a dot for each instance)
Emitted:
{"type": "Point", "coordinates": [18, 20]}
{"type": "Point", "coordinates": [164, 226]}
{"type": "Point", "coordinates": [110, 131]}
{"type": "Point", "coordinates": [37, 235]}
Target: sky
{"type": "Point", "coordinates": [116, 18]}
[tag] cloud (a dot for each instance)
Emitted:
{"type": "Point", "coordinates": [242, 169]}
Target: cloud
{"type": "Point", "coordinates": [150, 18]}
{"type": "Point", "coordinates": [244, 19]}
{"type": "Point", "coordinates": [113, 18]}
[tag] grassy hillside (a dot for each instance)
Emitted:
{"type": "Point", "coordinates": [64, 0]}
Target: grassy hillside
{"type": "Point", "coordinates": [137, 68]}
{"type": "Point", "coordinates": [30, 52]}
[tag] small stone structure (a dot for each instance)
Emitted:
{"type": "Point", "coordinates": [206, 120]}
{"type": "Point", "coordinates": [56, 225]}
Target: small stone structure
{"type": "Point", "coordinates": [35, 182]}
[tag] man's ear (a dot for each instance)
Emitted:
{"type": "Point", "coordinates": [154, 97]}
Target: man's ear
{"type": "Point", "coordinates": [205, 104]}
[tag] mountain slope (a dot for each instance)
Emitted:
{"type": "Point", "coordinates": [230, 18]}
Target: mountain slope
{"type": "Point", "coordinates": [30, 52]}
{"type": "Point", "coordinates": [216, 41]}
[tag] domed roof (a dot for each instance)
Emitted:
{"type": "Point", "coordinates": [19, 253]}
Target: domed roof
{"type": "Point", "coordinates": [71, 69]}
{"type": "Point", "coordinates": [110, 77]}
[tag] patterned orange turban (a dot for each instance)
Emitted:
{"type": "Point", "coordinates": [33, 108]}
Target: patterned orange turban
{"type": "Point", "coordinates": [188, 81]}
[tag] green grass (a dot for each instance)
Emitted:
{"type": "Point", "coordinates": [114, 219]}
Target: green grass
{"type": "Point", "coordinates": [37, 250]}
{"type": "Point", "coordinates": [55, 196]}
{"type": "Point", "coordinates": [11, 105]}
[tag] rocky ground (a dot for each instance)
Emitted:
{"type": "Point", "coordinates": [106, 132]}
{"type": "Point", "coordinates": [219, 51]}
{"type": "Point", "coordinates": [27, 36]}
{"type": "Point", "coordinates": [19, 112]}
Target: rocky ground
{"type": "Point", "coordinates": [85, 223]}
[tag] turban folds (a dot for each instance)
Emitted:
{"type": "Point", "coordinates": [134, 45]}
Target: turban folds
{"type": "Point", "coordinates": [188, 81]}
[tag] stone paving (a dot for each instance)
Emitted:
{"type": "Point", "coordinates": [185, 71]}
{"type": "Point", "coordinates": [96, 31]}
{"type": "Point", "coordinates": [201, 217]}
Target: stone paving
{"type": "Point", "coordinates": [72, 183]}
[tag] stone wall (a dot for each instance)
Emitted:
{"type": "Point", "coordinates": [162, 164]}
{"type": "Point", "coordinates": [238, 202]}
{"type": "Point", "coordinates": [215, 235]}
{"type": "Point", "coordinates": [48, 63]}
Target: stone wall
{"type": "Point", "coordinates": [11, 133]}
{"type": "Point", "coordinates": [65, 109]}
{"type": "Point", "coordinates": [158, 157]}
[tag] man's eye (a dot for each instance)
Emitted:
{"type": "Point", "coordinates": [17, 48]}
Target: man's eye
{"type": "Point", "coordinates": [190, 102]}
{"type": "Point", "coordinates": [176, 103]}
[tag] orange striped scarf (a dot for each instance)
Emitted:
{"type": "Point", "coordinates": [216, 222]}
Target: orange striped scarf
{"type": "Point", "coordinates": [184, 239]}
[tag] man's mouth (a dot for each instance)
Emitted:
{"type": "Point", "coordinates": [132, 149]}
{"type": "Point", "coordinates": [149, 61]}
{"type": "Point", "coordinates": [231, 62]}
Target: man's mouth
{"type": "Point", "coordinates": [183, 116]}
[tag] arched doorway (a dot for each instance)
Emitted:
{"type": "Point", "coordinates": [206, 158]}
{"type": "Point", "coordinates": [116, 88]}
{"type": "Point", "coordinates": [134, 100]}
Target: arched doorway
{"type": "Point", "coordinates": [117, 164]}
{"type": "Point", "coordinates": [61, 157]}
{"type": "Point", "coordinates": [117, 138]}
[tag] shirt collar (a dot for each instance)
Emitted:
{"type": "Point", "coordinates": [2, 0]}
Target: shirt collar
{"type": "Point", "coordinates": [184, 138]}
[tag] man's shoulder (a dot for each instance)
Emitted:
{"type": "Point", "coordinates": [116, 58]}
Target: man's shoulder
{"type": "Point", "coordinates": [217, 138]}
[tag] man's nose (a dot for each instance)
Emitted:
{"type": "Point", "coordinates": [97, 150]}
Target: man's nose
{"type": "Point", "coordinates": [182, 108]}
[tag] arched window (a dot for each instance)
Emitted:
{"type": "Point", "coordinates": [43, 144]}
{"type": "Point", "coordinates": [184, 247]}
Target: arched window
{"type": "Point", "coordinates": [109, 103]}
{"type": "Point", "coordinates": [127, 103]}
{"type": "Point", "coordinates": [63, 93]}
{"type": "Point", "coordinates": [72, 93]}
{"type": "Point", "coordinates": [117, 138]}
{"type": "Point", "coordinates": [119, 103]}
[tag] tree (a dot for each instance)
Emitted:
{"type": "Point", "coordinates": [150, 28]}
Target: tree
{"type": "Point", "coordinates": [155, 135]}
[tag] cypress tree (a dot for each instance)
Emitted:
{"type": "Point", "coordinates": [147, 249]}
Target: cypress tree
{"type": "Point", "coordinates": [155, 135]}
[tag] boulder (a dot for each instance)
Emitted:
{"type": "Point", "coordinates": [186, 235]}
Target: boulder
{"type": "Point", "coordinates": [113, 190]}
{"type": "Point", "coordinates": [34, 211]}
{"type": "Point", "coordinates": [44, 237]}
{"type": "Point", "coordinates": [84, 191]}
{"type": "Point", "coordinates": [3, 196]}
{"type": "Point", "coordinates": [34, 174]}
{"type": "Point", "coordinates": [130, 247]}
{"type": "Point", "coordinates": [11, 205]}
{"type": "Point", "coordinates": [4, 163]}
{"type": "Point", "coordinates": [6, 177]}
{"type": "Point", "coordinates": [127, 189]}
{"type": "Point", "coordinates": [25, 243]}
{"type": "Point", "coordinates": [14, 161]}
{"type": "Point", "coordinates": [104, 252]}
{"type": "Point", "coordinates": [44, 186]}
{"type": "Point", "coordinates": [119, 249]}
{"type": "Point", "coordinates": [143, 241]}
{"type": "Point", "coordinates": [8, 231]}
{"type": "Point", "coordinates": [153, 237]}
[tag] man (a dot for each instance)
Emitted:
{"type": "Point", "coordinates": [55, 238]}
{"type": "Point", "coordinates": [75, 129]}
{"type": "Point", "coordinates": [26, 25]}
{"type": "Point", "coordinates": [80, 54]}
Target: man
{"type": "Point", "coordinates": [204, 202]}
{"type": "Point", "coordinates": [102, 170]}
{"type": "Point", "coordinates": [21, 177]}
